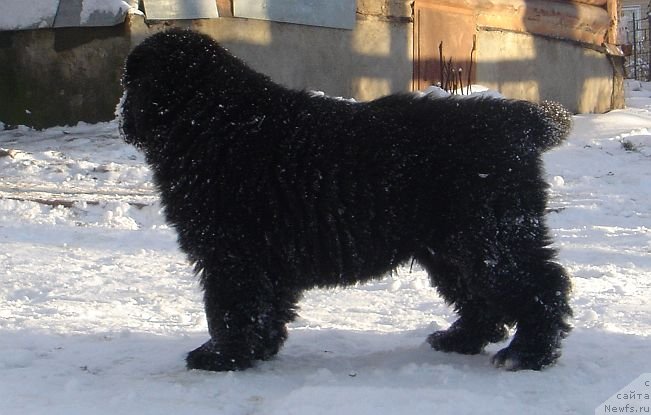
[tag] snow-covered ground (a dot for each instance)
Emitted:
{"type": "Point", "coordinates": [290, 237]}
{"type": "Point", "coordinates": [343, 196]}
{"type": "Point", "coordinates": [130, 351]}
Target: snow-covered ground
{"type": "Point", "coordinates": [98, 306]}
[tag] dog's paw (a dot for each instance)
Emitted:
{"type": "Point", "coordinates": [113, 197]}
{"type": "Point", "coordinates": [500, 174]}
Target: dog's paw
{"type": "Point", "coordinates": [459, 339]}
{"type": "Point", "coordinates": [455, 341]}
{"type": "Point", "coordinates": [510, 358]}
{"type": "Point", "coordinates": [209, 357]}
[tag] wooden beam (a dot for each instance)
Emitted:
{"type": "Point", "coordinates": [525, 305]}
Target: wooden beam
{"type": "Point", "coordinates": [585, 21]}
{"type": "Point", "coordinates": [601, 3]}
{"type": "Point", "coordinates": [613, 7]}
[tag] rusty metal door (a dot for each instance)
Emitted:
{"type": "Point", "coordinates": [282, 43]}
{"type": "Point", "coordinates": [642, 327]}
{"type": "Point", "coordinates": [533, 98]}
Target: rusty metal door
{"type": "Point", "coordinates": [442, 31]}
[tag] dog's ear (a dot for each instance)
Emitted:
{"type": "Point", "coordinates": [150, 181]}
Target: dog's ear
{"type": "Point", "coordinates": [146, 57]}
{"type": "Point", "coordinates": [166, 56]}
{"type": "Point", "coordinates": [137, 65]}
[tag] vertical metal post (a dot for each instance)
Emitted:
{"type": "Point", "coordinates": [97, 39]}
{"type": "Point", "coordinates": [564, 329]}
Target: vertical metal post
{"type": "Point", "coordinates": [634, 47]}
{"type": "Point", "coordinates": [648, 45]}
{"type": "Point", "coordinates": [415, 52]}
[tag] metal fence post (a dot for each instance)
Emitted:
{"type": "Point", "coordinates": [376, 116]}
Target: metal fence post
{"type": "Point", "coordinates": [648, 46]}
{"type": "Point", "coordinates": [634, 46]}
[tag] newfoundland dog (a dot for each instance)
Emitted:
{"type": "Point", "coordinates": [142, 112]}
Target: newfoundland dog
{"type": "Point", "coordinates": [275, 191]}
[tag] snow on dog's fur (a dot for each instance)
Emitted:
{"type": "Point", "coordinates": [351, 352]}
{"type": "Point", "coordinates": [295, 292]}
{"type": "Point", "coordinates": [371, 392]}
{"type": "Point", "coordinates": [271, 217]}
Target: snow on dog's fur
{"type": "Point", "coordinates": [275, 191]}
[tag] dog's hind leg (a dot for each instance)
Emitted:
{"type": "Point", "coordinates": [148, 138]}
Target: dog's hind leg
{"type": "Point", "coordinates": [477, 325]}
{"type": "Point", "coordinates": [523, 281]}
{"type": "Point", "coordinates": [504, 281]}
{"type": "Point", "coordinates": [516, 274]}
{"type": "Point", "coordinates": [247, 315]}
{"type": "Point", "coordinates": [540, 308]}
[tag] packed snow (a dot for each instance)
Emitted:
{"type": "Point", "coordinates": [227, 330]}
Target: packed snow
{"type": "Point", "coordinates": [98, 306]}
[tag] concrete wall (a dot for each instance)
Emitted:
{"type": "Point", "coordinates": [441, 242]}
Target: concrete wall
{"type": "Point", "coordinates": [57, 77]}
{"type": "Point", "coordinates": [535, 68]}
{"type": "Point", "coordinates": [62, 76]}
{"type": "Point", "coordinates": [365, 63]}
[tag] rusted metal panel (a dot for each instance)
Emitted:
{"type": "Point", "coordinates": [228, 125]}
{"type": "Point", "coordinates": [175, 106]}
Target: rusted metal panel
{"type": "Point", "coordinates": [225, 8]}
{"type": "Point", "coordinates": [446, 31]}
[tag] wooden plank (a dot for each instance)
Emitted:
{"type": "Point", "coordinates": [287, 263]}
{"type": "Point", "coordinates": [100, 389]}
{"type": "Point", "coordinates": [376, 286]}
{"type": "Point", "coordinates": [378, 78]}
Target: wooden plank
{"type": "Point", "coordinates": [488, 4]}
{"type": "Point", "coordinates": [180, 9]}
{"type": "Point", "coordinates": [570, 20]}
{"type": "Point", "coordinates": [585, 21]}
{"type": "Point", "coordinates": [613, 28]}
{"type": "Point", "coordinates": [601, 3]}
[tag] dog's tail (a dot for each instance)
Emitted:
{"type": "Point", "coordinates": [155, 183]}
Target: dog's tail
{"type": "Point", "coordinates": [521, 126]}
{"type": "Point", "coordinates": [558, 123]}
{"type": "Point", "coordinates": [531, 128]}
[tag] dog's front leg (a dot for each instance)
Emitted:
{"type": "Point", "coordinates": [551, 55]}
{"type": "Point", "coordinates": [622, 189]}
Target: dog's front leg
{"type": "Point", "coordinates": [246, 315]}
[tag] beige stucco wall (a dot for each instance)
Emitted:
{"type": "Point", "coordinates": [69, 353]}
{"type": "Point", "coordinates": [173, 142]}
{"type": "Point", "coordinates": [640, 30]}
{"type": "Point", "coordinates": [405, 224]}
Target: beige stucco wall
{"type": "Point", "coordinates": [370, 61]}
{"type": "Point", "coordinates": [537, 68]}
{"type": "Point", "coordinates": [57, 77]}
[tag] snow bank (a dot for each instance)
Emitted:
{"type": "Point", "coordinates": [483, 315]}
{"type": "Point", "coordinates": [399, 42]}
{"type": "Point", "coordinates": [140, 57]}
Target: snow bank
{"type": "Point", "coordinates": [474, 91]}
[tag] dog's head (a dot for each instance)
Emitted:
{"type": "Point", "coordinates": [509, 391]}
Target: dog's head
{"type": "Point", "coordinates": [162, 76]}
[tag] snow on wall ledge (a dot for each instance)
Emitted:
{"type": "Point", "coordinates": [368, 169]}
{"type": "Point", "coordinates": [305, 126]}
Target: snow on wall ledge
{"type": "Point", "coordinates": [27, 14]}
{"type": "Point", "coordinates": [42, 14]}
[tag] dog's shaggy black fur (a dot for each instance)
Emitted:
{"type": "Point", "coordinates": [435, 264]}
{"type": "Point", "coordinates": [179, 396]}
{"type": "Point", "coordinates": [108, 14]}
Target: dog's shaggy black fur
{"type": "Point", "coordinates": [274, 191]}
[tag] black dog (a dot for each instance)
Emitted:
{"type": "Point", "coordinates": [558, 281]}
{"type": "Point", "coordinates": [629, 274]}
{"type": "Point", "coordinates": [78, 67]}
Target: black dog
{"type": "Point", "coordinates": [274, 191]}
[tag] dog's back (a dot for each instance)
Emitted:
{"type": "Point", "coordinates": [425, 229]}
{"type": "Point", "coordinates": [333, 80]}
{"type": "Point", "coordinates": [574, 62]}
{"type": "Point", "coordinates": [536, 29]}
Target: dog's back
{"type": "Point", "coordinates": [519, 125]}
